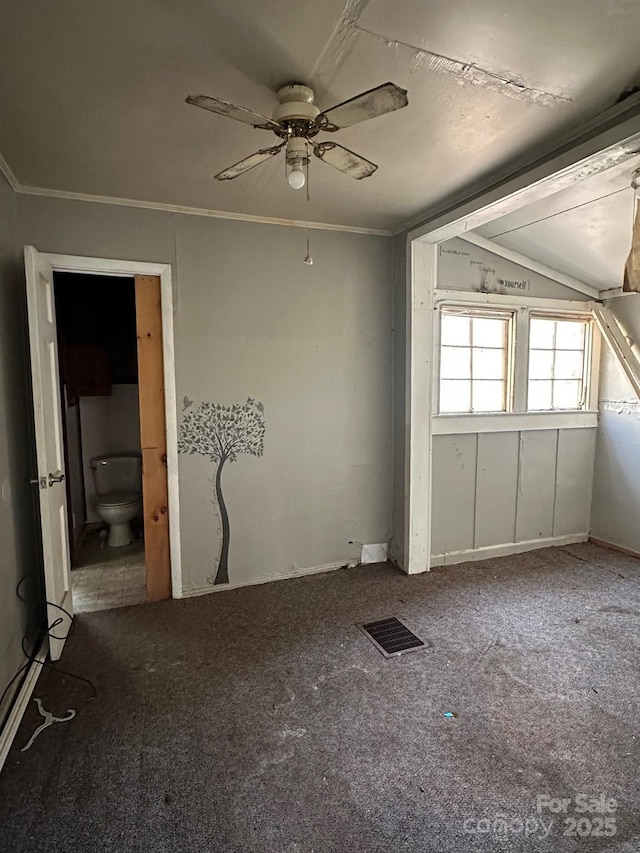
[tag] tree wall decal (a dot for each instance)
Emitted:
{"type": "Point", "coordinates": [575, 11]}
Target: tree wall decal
{"type": "Point", "coordinates": [222, 433]}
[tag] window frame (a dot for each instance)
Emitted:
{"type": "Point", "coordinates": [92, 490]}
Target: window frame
{"type": "Point", "coordinates": [518, 416]}
{"type": "Point", "coordinates": [587, 361]}
{"type": "Point", "coordinates": [489, 312]}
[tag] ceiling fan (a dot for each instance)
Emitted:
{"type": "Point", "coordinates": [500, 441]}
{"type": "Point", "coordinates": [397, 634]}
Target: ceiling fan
{"type": "Point", "coordinates": [297, 120]}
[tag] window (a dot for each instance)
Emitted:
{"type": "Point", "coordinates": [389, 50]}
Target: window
{"type": "Point", "coordinates": [558, 363]}
{"type": "Point", "coordinates": [474, 360]}
{"type": "Point", "coordinates": [496, 358]}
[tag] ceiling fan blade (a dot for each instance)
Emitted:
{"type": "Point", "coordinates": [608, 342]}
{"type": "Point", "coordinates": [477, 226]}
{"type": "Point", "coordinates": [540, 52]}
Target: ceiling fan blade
{"type": "Point", "coordinates": [248, 163]}
{"type": "Point", "coordinates": [375, 102]}
{"type": "Point", "coordinates": [224, 108]}
{"type": "Point", "coordinates": [344, 160]}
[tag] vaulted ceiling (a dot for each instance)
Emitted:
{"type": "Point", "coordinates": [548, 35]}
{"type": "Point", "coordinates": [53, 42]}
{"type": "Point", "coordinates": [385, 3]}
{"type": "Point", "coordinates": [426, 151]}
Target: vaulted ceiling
{"type": "Point", "coordinates": [584, 230]}
{"type": "Point", "coordinates": [92, 94]}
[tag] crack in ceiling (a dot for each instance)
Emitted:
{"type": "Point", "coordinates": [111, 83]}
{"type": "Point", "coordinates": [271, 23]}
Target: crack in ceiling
{"type": "Point", "coordinates": [341, 37]}
{"type": "Point", "coordinates": [471, 128]}
{"type": "Point", "coordinates": [505, 83]}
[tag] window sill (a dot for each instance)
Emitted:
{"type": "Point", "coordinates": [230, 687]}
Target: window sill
{"type": "Point", "coordinates": [513, 422]}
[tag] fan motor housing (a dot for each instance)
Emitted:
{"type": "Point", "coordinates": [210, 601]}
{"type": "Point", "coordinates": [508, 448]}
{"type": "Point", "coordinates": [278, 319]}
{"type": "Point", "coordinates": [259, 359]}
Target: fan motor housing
{"type": "Point", "coordinates": [295, 104]}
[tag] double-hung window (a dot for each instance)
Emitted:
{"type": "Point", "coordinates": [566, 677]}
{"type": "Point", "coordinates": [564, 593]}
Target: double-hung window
{"type": "Point", "coordinates": [558, 363]}
{"type": "Point", "coordinates": [495, 359]}
{"type": "Point", "coordinates": [475, 347]}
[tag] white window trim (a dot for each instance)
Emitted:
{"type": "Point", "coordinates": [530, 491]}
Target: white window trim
{"type": "Point", "coordinates": [466, 422]}
{"type": "Point", "coordinates": [511, 338]}
{"type": "Point", "coordinates": [513, 421]}
{"type": "Point", "coordinates": [498, 300]}
{"type": "Point", "coordinates": [588, 372]}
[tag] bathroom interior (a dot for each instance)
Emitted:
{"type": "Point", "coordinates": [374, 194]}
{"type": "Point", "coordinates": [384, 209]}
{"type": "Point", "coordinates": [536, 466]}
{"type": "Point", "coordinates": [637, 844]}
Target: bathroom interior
{"type": "Point", "coordinates": [97, 352]}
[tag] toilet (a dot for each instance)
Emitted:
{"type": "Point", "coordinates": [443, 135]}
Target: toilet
{"type": "Point", "coordinates": [118, 482]}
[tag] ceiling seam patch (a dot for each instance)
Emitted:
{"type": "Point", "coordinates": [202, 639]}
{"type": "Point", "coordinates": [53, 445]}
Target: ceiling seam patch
{"type": "Point", "coordinates": [344, 31]}
{"type": "Point", "coordinates": [506, 84]}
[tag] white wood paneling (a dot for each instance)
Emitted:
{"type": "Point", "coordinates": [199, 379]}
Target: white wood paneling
{"type": "Point", "coordinates": [496, 488]}
{"type": "Point", "coordinates": [574, 480]}
{"type": "Point", "coordinates": [536, 484]}
{"type": "Point", "coordinates": [454, 489]}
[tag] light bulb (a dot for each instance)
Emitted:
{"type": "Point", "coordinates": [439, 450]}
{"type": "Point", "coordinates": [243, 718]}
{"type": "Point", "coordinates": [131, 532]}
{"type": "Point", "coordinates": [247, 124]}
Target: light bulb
{"type": "Point", "coordinates": [296, 177]}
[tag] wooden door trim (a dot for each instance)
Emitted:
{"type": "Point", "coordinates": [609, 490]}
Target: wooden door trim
{"type": "Point", "coordinates": [153, 439]}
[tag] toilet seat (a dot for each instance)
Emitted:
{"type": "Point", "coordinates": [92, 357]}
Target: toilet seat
{"type": "Point", "coordinates": [117, 499]}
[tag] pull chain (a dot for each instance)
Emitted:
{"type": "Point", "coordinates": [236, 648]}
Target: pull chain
{"type": "Point", "coordinates": [307, 259]}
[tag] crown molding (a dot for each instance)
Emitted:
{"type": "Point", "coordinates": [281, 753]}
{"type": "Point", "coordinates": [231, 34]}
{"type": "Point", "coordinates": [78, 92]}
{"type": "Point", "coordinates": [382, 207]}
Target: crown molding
{"type": "Point", "coordinates": [45, 192]}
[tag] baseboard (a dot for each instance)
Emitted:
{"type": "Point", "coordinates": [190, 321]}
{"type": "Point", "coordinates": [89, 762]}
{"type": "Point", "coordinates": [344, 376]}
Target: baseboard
{"type": "Point", "coordinates": [295, 573]}
{"type": "Point", "coordinates": [10, 728]}
{"type": "Point", "coordinates": [490, 551]}
{"type": "Point", "coordinates": [602, 543]}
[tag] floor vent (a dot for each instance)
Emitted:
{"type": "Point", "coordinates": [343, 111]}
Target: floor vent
{"type": "Point", "coordinates": [392, 638]}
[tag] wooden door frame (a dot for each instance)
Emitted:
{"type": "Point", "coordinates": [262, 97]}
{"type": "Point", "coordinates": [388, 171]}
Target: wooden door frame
{"type": "Point", "coordinates": [131, 269]}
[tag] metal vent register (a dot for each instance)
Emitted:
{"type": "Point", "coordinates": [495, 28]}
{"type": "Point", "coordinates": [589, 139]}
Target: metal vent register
{"type": "Point", "coordinates": [392, 638]}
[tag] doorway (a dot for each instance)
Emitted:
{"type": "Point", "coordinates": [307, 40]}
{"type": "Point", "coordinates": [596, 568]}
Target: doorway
{"type": "Point", "coordinates": [158, 427]}
{"type": "Point", "coordinates": [99, 389]}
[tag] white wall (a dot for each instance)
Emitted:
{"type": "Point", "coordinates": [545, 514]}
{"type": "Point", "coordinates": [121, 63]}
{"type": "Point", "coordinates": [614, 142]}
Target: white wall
{"type": "Point", "coordinates": [110, 424]}
{"type": "Point", "coordinates": [493, 489]}
{"type": "Point", "coordinates": [312, 344]}
{"type": "Point", "coordinates": [616, 494]}
{"type": "Point", "coordinates": [463, 266]}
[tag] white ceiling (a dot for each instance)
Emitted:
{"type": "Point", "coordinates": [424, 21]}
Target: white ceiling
{"type": "Point", "coordinates": [92, 93]}
{"type": "Point", "coordinates": [584, 231]}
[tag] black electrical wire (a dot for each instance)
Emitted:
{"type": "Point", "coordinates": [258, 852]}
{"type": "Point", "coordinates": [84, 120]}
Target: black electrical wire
{"type": "Point", "coordinates": [36, 644]}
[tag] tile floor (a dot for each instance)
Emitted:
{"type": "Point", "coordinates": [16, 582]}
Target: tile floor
{"type": "Point", "coordinates": [108, 577]}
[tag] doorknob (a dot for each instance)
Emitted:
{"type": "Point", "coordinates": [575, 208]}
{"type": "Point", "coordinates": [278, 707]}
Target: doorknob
{"type": "Point", "coordinates": [56, 477]}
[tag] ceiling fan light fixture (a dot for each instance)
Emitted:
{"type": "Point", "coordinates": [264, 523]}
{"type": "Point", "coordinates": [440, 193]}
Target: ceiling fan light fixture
{"type": "Point", "coordinates": [297, 159]}
{"type": "Point", "coordinates": [297, 120]}
{"type": "Point", "coordinates": [296, 177]}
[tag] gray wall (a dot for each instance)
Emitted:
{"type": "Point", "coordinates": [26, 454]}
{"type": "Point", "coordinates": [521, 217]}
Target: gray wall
{"type": "Point", "coordinates": [312, 344]}
{"type": "Point", "coordinates": [18, 513]}
{"type": "Point", "coordinates": [615, 516]}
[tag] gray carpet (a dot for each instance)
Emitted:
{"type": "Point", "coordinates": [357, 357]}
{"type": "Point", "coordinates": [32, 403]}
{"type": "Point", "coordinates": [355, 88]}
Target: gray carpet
{"type": "Point", "coordinates": [262, 719]}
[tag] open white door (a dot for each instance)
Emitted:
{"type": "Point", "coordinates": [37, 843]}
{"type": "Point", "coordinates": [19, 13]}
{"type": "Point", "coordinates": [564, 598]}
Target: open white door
{"type": "Point", "coordinates": [49, 446]}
